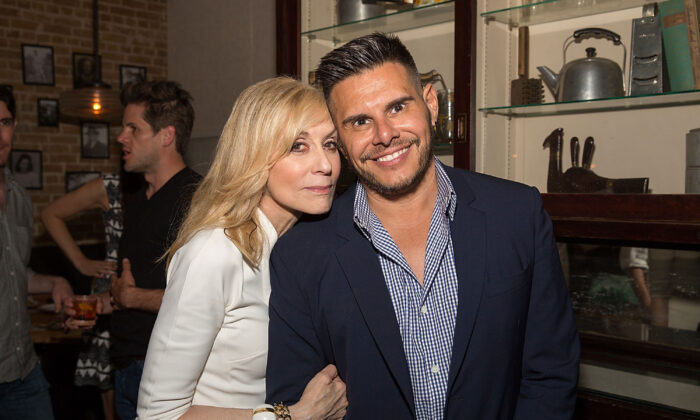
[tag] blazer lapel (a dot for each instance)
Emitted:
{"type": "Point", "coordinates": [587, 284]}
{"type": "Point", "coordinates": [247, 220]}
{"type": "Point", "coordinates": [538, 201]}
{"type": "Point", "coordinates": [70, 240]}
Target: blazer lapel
{"type": "Point", "coordinates": [360, 264]}
{"type": "Point", "coordinates": [469, 244]}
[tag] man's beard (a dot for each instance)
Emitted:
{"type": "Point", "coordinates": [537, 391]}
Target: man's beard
{"type": "Point", "coordinates": [370, 181]}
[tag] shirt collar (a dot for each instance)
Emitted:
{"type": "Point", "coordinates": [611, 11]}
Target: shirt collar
{"type": "Point", "coordinates": [446, 201]}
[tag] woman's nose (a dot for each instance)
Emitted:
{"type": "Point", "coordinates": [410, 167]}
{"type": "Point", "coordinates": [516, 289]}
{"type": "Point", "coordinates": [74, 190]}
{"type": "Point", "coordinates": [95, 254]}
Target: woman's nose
{"type": "Point", "coordinates": [322, 162]}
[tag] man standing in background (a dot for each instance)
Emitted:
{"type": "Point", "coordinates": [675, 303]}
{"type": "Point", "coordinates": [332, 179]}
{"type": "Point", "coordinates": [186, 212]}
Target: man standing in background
{"type": "Point", "coordinates": [24, 392]}
{"type": "Point", "coordinates": [156, 127]}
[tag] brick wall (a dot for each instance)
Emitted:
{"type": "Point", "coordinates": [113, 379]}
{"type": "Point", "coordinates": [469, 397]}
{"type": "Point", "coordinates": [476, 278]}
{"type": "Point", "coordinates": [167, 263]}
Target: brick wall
{"type": "Point", "coordinates": [131, 32]}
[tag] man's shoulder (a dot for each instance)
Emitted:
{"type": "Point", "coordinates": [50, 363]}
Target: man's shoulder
{"type": "Point", "coordinates": [484, 190]}
{"type": "Point", "coordinates": [187, 177]}
{"type": "Point", "coordinates": [17, 193]}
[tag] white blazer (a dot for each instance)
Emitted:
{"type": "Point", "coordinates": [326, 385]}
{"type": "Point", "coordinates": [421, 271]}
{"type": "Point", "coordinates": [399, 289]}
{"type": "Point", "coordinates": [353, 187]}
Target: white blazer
{"type": "Point", "coordinates": [209, 343]}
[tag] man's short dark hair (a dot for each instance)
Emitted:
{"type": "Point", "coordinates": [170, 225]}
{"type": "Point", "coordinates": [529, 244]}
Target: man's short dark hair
{"type": "Point", "coordinates": [166, 104]}
{"type": "Point", "coordinates": [364, 53]}
{"type": "Point", "coordinates": [8, 98]}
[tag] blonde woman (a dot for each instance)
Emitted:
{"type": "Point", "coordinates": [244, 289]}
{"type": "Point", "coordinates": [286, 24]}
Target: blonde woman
{"type": "Point", "coordinates": [277, 159]}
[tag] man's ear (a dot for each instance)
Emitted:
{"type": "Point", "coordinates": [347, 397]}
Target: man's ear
{"type": "Point", "coordinates": [431, 100]}
{"type": "Point", "coordinates": [167, 135]}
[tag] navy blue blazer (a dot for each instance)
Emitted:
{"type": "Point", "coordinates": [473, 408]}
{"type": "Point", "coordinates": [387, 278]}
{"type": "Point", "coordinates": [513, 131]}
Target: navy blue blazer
{"type": "Point", "coordinates": [516, 347]}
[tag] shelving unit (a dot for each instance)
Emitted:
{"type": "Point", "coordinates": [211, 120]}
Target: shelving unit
{"type": "Point", "coordinates": [663, 100]}
{"type": "Point", "coordinates": [402, 20]}
{"type": "Point", "coordinates": [636, 136]}
{"type": "Point", "coordinates": [539, 12]}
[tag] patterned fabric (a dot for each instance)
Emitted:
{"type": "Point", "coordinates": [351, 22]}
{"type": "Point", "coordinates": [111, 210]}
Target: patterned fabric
{"type": "Point", "coordinates": [94, 366]}
{"type": "Point", "coordinates": [426, 314]}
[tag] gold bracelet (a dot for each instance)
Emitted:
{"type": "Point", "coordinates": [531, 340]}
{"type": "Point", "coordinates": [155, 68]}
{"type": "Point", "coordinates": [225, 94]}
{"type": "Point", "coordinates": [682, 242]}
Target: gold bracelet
{"type": "Point", "coordinates": [282, 411]}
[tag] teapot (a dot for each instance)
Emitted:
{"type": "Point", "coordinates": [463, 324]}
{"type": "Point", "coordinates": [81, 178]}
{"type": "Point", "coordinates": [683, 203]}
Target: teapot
{"type": "Point", "coordinates": [587, 78]}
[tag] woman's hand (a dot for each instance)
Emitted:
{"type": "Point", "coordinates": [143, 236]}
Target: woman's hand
{"type": "Point", "coordinates": [95, 268]}
{"type": "Point", "coordinates": [324, 397]}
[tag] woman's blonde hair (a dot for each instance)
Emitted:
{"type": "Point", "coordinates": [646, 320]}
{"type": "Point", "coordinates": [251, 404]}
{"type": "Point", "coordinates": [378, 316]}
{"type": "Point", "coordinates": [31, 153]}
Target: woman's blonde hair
{"type": "Point", "coordinates": [265, 121]}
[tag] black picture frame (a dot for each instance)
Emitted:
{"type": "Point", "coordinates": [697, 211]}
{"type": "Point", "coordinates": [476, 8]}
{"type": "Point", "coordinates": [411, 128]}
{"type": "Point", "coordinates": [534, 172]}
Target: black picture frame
{"type": "Point", "coordinates": [128, 74]}
{"type": "Point", "coordinates": [37, 65]}
{"type": "Point", "coordinates": [85, 70]}
{"type": "Point", "coordinates": [47, 112]}
{"type": "Point", "coordinates": [94, 140]}
{"type": "Point", "coordinates": [76, 179]}
{"type": "Point", "coordinates": [27, 168]}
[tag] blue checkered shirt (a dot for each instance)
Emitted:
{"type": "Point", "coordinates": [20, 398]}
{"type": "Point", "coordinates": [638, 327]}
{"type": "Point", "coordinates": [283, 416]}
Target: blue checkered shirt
{"type": "Point", "coordinates": [426, 315]}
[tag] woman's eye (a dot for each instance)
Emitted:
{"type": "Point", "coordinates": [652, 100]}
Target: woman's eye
{"type": "Point", "coordinates": [297, 147]}
{"type": "Point", "coordinates": [331, 145]}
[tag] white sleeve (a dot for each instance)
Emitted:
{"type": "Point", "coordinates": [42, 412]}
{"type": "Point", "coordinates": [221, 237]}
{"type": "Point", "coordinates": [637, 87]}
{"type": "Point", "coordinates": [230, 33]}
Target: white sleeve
{"type": "Point", "coordinates": [631, 257]}
{"type": "Point", "coordinates": [189, 319]}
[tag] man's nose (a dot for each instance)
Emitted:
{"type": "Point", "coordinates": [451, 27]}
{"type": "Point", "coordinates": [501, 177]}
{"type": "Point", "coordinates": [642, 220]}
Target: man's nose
{"type": "Point", "coordinates": [120, 137]}
{"type": "Point", "coordinates": [386, 132]}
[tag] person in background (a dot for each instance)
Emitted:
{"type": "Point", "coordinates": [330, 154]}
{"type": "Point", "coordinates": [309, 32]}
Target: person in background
{"type": "Point", "coordinates": [277, 159]}
{"type": "Point", "coordinates": [93, 366]}
{"type": "Point", "coordinates": [437, 292]}
{"type": "Point", "coordinates": [156, 127]}
{"type": "Point", "coordinates": [24, 391]}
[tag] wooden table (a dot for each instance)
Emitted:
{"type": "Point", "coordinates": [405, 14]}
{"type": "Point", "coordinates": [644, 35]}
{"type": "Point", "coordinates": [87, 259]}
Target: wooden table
{"type": "Point", "coordinates": [46, 327]}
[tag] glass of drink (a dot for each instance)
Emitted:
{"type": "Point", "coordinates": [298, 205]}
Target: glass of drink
{"type": "Point", "coordinates": [85, 307]}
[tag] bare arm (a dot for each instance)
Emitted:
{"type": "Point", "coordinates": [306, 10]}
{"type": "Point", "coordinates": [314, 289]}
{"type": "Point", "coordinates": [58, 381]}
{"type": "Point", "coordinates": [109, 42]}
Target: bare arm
{"type": "Point", "coordinates": [92, 195]}
{"type": "Point", "coordinates": [323, 398]}
{"type": "Point", "coordinates": [203, 412]}
{"type": "Point", "coordinates": [127, 295]}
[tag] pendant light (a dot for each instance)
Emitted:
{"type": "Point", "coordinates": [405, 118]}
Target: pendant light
{"type": "Point", "coordinates": [96, 101]}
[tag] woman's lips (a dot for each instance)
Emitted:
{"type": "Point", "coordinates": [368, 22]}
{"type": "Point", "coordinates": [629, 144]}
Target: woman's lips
{"type": "Point", "coordinates": [320, 190]}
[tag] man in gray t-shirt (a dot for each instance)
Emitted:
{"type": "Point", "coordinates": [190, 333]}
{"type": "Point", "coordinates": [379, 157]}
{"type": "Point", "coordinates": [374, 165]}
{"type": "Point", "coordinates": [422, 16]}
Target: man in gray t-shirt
{"type": "Point", "coordinates": [23, 388]}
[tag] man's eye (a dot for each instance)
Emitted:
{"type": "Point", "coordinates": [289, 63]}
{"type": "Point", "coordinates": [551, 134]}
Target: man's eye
{"type": "Point", "coordinates": [6, 122]}
{"type": "Point", "coordinates": [360, 122]}
{"type": "Point", "coordinates": [398, 108]}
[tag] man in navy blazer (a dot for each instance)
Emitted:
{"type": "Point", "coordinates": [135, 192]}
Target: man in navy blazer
{"type": "Point", "coordinates": [436, 292]}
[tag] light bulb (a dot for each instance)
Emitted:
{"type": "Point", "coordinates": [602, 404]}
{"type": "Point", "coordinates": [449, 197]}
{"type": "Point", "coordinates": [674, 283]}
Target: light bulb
{"type": "Point", "coordinates": [96, 106]}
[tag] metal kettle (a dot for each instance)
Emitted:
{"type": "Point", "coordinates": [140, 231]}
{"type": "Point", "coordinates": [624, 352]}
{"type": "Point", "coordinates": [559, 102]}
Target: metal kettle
{"type": "Point", "coordinates": [590, 77]}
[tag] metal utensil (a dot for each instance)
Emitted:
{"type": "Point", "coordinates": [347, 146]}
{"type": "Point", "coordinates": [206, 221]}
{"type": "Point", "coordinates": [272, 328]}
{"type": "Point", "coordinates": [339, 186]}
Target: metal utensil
{"type": "Point", "coordinates": [574, 151]}
{"type": "Point", "coordinates": [588, 149]}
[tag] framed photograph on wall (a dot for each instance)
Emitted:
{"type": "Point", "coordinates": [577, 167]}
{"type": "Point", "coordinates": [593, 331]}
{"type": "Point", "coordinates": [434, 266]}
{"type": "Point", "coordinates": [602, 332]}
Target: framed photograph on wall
{"type": "Point", "coordinates": [85, 70]}
{"type": "Point", "coordinates": [75, 180]}
{"type": "Point", "coordinates": [94, 140]}
{"type": "Point", "coordinates": [128, 74]}
{"type": "Point", "coordinates": [47, 112]}
{"type": "Point", "coordinates": [37, 65]}
{"type": "Point", "coordinates": [26, 168]}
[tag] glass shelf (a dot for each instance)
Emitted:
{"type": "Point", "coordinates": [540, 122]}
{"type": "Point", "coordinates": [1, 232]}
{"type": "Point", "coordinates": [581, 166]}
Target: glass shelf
{"type": "Point", "coordinates": [667, 99]}
{"type": "Point", "coordinates": [553, 10]}
{"type": "Point", "coordinates": [411, 18]}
